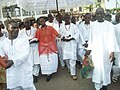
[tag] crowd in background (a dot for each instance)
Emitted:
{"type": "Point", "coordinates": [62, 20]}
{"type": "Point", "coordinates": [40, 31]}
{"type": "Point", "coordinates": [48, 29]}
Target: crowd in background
{"type": "Point", "coordinates": [38, 46]}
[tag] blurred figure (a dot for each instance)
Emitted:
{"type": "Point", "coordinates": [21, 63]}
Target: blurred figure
{"type": "Point", "coordinates": [84, 28]}
{"type": "Point", "coordinates": [93, 17]}
{"type": "Point", "coordinates": [59, 21]}
{"type": "Point", "coordinates": [29, 33]}
{"type": "Point", "coordinates": [108, 17]}
{"type": "Point", "coordinates": [52, 22]}
{"type": "Point", "coordinates": [73, 20]}
{"type": "Point", "coordinates": [2, 70]}
{"type": "Point", "coordinates": [3, 29]}
{"type": "Point", "coordinates": [116, 18]}
{"type": "Point", "coordinates": [81, 19]}
{"type": "Point", "coordinates": [21, 25]}
{"type": "Point", "coordinates": [35, 25]}
{"type": "Point", "coordinates": [116, 66]}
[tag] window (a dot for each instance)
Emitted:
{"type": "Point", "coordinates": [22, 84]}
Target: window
{"type": "Point", "coordinates": [71, 10]}
{"type": "Point", "coordinates": [99, 1]}
{"type": "Point", "coordinates": [80, 8]}
{"type": "Point", "coordinates": [44, 12]}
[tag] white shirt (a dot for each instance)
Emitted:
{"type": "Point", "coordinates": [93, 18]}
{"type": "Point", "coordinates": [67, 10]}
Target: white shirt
{"type": "Point", "coordinates": [20, 73]}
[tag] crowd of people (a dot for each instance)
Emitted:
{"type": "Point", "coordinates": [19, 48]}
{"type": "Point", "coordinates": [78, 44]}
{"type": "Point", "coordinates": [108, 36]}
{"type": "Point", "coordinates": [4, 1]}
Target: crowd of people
{"type": "Point", "coordinates": [29, 48]}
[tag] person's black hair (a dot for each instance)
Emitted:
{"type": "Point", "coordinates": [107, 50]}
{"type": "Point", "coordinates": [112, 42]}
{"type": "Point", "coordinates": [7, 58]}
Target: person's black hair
{"type": "Point", "coordinates": [12, 22]}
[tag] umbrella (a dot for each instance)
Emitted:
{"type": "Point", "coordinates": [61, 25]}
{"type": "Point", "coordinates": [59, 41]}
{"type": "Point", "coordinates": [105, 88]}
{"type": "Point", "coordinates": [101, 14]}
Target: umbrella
{"type": "Point", "coordinates": [38, 5]}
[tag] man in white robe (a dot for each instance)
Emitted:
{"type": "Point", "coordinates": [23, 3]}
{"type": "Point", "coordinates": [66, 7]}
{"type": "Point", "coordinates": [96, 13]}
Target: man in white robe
{"type": "Point", "coordinates": [29, 33]}
{"type": "Point", "coordinates": [116, 67]}
{"type": "Point", "coordinates": [19, 69]}
{"type": "Point", "coordinates": [56, 23]}
{"type": "Point", "coordinates": [117, 54]}
{"type": "Point", "coordinates": [70, 36]}
{"type": "Point", "coordinates": [2, 70]}
{"type": "Point", "coordinates": [52, 22]}
{"type": "Point", "coordinates": [84, 28]}
{"type": "Point", "coordinates": [102, 43]}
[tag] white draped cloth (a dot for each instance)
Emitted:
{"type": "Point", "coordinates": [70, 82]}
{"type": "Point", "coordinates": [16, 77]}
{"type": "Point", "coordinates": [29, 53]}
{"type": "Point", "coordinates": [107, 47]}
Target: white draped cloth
{"type": "Point", "coordinates": [102, 42]}
{"type": "Point", "coordinates": [20, 73]}
{"type": "Point", "coordinates": [117, 54]}
{"type": "Point", "coordinates": [2, 38]}
{"type": "Point", "coordinates": [85, 30]}
{"type": "Point", "coordinates": [54, 24]}
{"type": "Point", "coordinates": [84, 36]}
{"type": "Point", "coordinates": [34, 55]}
{"type": "Point", "coordinates": [69, 48]}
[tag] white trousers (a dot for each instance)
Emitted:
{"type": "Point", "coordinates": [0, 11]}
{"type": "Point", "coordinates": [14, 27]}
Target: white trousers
{"type": "Point", "coordinates": [98, 86]}
{"type": "Point", "coordinates": [117, 59]}
{"type": "Point", "coordinates": [71, 64]}
{"type": "Point", "coordinates": [36, 69]}
{"type": "Point", "coordinates": [21, 88]}
{"type": "Point", "coordinates": [62, 63]}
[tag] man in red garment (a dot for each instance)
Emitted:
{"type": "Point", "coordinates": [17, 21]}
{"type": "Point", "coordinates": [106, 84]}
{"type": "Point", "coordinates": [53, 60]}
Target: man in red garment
{"type": "Point", "coordinates": [47, 49]}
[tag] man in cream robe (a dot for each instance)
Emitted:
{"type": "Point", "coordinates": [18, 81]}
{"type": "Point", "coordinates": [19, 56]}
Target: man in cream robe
{"type": "Point", "coordinates": [102, 43]}
{"type": "Point", "coordinates": [19, 69]}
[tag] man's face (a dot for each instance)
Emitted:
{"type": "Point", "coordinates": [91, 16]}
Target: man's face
{"type": "Point", "coordinates": [27, 24]}
{"type": "Point", "coordinates": [108, 18]}
{"type": "Point", "coordinates": [1, 25]}
{"type": "Point", "coordinates": [67, 18]}
{"type": "Point", "coordinates": [13, 30]}
{"type": "Point", "coordinates": [35, 25]}
{"type": "Point", "coordinates": [42, 21]}
{"type": "Point", "coordinates": [59, 18]}
{"type": "Point", "coordinates": [87, 18]}
{"type": "Point", "coordinates": [50, 19]}
{"type": "Point", "coordinates": [117, 17]}
{"type": "Point", "coordinates": [100, 14]}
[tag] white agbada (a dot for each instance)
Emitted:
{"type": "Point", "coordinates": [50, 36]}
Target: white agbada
{"type": "Point", "coordinates": [69, 48]}
{"type": "Point", "coordinates": [85, 30]}
{"type": "Point", "coordinates": [84, 36]}
{"type": "Point", "coordinates": [2, 38]}
{"type": "Point", "coordinates": [102, 42]}
{"type": "Point", "coordinates": [20, 73]}
{"type": "Point", "coordinates": [29, 34]}
{"type": "Point", "coordinates": [117, 54]}
{"type": "Point", "coordinates": [54, 24]}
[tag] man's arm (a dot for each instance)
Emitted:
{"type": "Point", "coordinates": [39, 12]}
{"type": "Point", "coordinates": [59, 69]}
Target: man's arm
{"type": "Point", "coordinates": [87, 53]}
{"type": "Point", "coordinates": [111, 56]}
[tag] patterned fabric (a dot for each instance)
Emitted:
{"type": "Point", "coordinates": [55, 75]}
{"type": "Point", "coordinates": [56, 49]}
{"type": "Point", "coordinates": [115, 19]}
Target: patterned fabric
{"type": "Point", "coordinates": [46, 37]}
{"type": "Point", "coordinates": [2, 75]}
{"type": "Point", "coordinates": [87, 67]}
{"type": "Point", "coordinates": [2, 64]}
{"type": "Point", "coordinates": [49, 63]}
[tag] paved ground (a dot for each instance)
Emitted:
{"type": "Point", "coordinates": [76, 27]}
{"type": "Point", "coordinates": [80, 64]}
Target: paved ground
{"type": "Point", "coordinates": [62, 81]}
